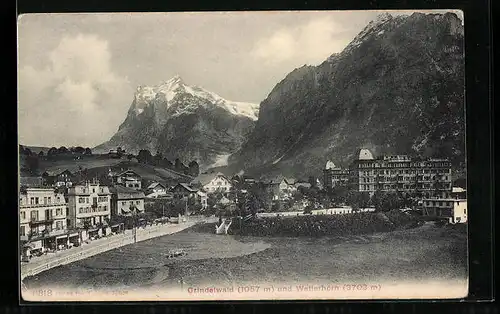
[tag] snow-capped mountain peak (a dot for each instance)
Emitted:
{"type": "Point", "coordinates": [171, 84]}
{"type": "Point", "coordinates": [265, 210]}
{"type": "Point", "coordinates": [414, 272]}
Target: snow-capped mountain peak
{"type": "Point", "coordinates": [175, 87]}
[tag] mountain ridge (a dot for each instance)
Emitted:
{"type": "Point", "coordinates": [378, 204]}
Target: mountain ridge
{"type": "Point", "coordinates": [398, 87]}
{"type": "Point", "coordinates": [183, 121]}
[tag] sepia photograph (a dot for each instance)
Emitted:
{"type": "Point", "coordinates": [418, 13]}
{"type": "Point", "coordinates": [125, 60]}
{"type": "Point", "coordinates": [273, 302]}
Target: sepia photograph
{"type": "Point", "coordinates": [245, 155]}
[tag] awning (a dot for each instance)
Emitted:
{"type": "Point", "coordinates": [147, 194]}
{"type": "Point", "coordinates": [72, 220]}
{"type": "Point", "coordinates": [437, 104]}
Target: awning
{"type": "Point", "coordinates": [36, 245]}
{"type": "Point", "coordinates": [62, 236]}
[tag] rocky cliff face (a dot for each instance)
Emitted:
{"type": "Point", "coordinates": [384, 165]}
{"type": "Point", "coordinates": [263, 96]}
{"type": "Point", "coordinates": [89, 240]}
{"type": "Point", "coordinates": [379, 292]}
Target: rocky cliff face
{"type": "Point", "coordinates": [398, 87]}
{"type": "Point", "coordinates": [185, 122]}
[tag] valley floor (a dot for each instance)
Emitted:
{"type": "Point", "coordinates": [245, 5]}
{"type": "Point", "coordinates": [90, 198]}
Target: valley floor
{"type": "Point", "coordinates": [427, 256]}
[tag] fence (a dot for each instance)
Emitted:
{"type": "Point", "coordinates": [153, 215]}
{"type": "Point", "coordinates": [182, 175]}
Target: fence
{"type": "Point", "coordinates": [80, 253]}
{"type": "Point", "coordinates": [110, 244]}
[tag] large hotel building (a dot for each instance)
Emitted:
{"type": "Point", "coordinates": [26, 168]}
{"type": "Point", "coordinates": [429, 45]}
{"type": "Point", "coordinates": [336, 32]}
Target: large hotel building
{"type": "Point", "coordinates": [430, 177]}
{"type": "Point", "coordinates": [427, 179]}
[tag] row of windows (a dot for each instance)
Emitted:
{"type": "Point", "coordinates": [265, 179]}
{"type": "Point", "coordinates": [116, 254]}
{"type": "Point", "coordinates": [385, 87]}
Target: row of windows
{"type": "Point", "coordinates": [130, 202]}
{"type": "Point", "coordinates": [213, 189]}
{"type": "Point", "coordinates": [405, 165]}
{"type": "Point", "coordinates": [59, 226]}
{"type": "Point", "coordinates": [83, 200]}
{"type": "Point", "coordinates": [34, 213]}
{"type": "Point", "coordinates": [438, 203]}
{"type": "Point", "coordinates": [88, 209]}
{"type": "Point", "coordinates": [402, 178]}
{"type": "Point", "coordinates": [47, 200]}
{"type": "Point", "coordinates": [407, 171]}
{"type": "Point", "coordinates": [368, 187]}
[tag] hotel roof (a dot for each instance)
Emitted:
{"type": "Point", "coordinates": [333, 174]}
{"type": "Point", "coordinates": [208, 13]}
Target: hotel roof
{"type": "Point", "coordinates": [365, 154]}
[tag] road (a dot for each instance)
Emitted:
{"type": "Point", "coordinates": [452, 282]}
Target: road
{"type": "Point", "coordinates": [51, 260]}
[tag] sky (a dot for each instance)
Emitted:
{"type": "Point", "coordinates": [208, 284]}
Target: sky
{"type": "Point", "coordinates": [77, 73]}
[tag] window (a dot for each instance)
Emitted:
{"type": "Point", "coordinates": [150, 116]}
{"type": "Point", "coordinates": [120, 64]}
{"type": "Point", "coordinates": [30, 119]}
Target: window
{"type": "Point", "coordinates": [34, 215]}
{"type": "Point", "coordinates": [45, 200]}
{"type": "Point", "coordinates": [93, 190]}
{"type": "Point", "coordinates": [137, 202]}
{"type": "Point", "coordinates": [123, 203]}
{"type": "Point", "coordinates": [87, 200]}
{"type": "Point", "coordinates": [49, 199]}
{"type": "Point", "coordinates": [23, 215]}
{"type": "Point", "coordinates": [22, 231]}
{"type": "Point", "coordinates": [81, 200]}
{"type": "Point", "coordinates": [36, 200]}
{"type": "Point", "coordinates": [465, 210]}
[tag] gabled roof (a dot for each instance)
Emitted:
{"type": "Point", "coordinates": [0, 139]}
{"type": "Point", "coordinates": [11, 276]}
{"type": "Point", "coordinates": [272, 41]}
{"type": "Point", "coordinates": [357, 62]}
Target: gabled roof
{"type": "Point", "coordinates": [186, 187]}
{"type": "Point", "coordinates": [154, 185]}
{"type": "Point", "coordinates": [280, 178]}
{"type": "Point", "coordinates": [206, 178]}
{"type": "Point", "coordinates": [126, 193]}
{"type": "Point", "coordinates": [125, 172]}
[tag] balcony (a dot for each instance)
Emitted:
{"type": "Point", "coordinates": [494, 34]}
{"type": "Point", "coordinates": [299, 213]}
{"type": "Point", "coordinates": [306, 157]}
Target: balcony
{"type": "Point", "coordinates": [35, 221]}
{"type": "Point", "coordinates": [33, 236]}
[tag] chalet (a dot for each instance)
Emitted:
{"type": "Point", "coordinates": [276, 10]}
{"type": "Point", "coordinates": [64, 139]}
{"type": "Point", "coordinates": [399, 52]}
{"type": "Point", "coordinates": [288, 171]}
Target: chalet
{"type": "Point", "coordinates": [125, 200]}
{"type": "Point", "coordinates": [281, 188]}
{"type": "Point", "coordinates": [155, 190]}
{"type": "Point", "coordinates": [183, 190]}
{"type": "Point", "coordinates": [455, 210]}
{"type": "Point", "coordinates": [128, 178]}
{"type": "Point", "coordinates": [213, 182]}
{"type": "Point", "coordinates": [56, 178]}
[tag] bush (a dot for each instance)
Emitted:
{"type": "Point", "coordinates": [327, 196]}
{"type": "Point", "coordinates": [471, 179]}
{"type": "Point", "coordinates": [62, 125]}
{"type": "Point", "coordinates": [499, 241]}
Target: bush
{"type": "Point", "coordinates": [322, 225]}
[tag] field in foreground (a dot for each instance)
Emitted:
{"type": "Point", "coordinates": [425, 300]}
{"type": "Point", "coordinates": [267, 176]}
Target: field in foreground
{"type": "Point", "coordinates": [426, 253]}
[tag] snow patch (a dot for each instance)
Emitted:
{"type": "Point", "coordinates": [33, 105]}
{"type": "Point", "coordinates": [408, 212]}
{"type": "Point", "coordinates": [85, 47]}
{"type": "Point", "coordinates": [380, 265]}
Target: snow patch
{"type": "Point", "coordinates": [278, 160]}
{"type": "Point", "coordinates": [221, 161]}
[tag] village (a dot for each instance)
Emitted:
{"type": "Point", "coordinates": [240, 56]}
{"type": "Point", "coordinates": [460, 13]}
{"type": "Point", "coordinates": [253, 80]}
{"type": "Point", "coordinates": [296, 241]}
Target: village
{"type": "Point", "coordinates": [61, 210]}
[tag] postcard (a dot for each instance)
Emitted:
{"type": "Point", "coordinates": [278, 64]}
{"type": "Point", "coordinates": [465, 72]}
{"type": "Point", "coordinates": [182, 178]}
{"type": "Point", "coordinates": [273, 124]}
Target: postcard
{"type": "Point", "coordinates": [253, 155]}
